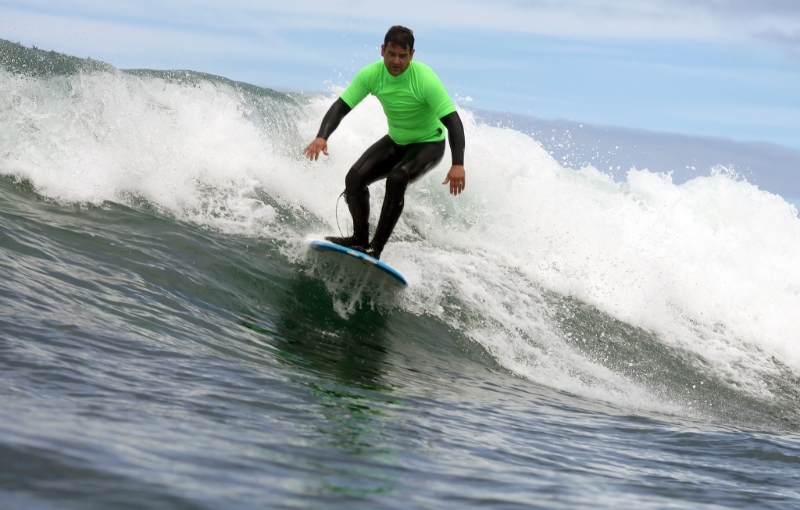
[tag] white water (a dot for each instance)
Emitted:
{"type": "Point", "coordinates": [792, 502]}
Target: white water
{"type": "Point", "coordinates": [710, 266]}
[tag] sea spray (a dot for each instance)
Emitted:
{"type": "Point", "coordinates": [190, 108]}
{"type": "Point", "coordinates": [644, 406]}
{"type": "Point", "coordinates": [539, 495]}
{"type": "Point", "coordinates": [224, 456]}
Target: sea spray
{"type": "Point", "coordinates": [568, 278]}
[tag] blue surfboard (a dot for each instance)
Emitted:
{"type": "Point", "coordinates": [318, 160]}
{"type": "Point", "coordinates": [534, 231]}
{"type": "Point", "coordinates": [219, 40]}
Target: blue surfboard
{"type": "Point", "coordinates": [325, 246]}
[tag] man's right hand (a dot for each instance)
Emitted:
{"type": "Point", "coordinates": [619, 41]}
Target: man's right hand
{"type": "Point", "coordinates": [315, 147]}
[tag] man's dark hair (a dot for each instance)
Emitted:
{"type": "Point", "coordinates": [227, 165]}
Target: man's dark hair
{"type": "Point", "coordinates": [400, 36]}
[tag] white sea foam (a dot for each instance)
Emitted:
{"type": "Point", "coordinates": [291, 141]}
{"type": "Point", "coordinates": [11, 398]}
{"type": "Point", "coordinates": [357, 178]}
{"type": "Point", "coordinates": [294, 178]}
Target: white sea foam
{"type": "Point", "coordinates": [709, 266]}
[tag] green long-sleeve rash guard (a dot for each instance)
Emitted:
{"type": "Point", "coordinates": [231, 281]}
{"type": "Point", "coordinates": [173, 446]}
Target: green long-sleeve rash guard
{"type": "Point", "coordinates": [413, 102]}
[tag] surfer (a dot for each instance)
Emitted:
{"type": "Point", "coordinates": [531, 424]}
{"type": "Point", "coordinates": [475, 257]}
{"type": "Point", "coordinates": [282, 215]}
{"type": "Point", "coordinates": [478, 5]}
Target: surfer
{"type": "Point", "coordinates": [418, 110]}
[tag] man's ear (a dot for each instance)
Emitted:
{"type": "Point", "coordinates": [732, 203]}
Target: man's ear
{"type": "Point", "coordinates": [383, 50]}
{"type": "Point", "coordinates": [411, 53]}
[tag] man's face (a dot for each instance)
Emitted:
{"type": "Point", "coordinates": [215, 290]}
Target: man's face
{"type": "Point", "coordinates": [396, 58]}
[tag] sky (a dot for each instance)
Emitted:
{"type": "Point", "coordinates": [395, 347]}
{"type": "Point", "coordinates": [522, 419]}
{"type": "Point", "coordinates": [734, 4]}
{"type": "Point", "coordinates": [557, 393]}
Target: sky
{"type": "Point", "coordinates": [722, 68]}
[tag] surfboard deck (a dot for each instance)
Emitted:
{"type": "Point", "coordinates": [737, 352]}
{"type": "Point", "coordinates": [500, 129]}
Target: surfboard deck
{"type": "Point", "coordinates": [325, 246]}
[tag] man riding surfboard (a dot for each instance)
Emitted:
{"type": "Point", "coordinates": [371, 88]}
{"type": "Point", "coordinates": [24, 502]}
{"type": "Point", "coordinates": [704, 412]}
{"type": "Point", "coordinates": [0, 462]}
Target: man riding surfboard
{"type": "Point", "coordinates": [418, 110]}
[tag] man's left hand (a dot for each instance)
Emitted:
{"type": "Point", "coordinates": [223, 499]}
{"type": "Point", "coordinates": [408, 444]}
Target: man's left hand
{"type": "Point", "coordinates": [457, 179]}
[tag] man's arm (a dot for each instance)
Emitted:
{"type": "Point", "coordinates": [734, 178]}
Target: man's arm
{"type": "Point", "coordinates": [330, 122]}
{"type": "Point", "coordinates": [455, 133]}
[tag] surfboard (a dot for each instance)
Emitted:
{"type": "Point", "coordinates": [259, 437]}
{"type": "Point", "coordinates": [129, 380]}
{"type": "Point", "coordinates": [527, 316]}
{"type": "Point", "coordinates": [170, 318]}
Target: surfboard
{"type": "Point", "coordinates": [375, 264]}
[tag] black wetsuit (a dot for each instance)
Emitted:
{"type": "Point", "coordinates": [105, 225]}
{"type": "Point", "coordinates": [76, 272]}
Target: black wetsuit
{"type": "Point", "coordinates": [400, 165]}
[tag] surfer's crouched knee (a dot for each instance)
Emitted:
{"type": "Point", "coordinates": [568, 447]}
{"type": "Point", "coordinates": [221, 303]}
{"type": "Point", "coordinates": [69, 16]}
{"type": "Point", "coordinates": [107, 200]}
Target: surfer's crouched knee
{"type": "Point", "coordinates": [354, 196]}
{"type": "Point", "coordinates": [396, 184]}
{"type": "Point", "coordinates": [353, 182]}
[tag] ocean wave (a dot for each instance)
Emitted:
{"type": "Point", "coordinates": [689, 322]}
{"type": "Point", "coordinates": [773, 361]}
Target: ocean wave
{"type": "Point", "coordinates": [674, 298]}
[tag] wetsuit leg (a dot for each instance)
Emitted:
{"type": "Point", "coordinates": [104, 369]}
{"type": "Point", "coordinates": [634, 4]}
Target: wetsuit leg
{"type": "Point", "coordinates": [419, 159]}
{"type": "Point", "coordinates": [374, 164]}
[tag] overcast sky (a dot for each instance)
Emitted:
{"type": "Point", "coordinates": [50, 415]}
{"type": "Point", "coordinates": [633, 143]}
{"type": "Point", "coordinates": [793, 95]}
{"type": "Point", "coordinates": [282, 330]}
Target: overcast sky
{"type": "Point", "coordinates": [727, 68]}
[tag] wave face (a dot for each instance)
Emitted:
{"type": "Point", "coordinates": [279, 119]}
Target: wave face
{"type": "Point", "coordinates": [677, 299]}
